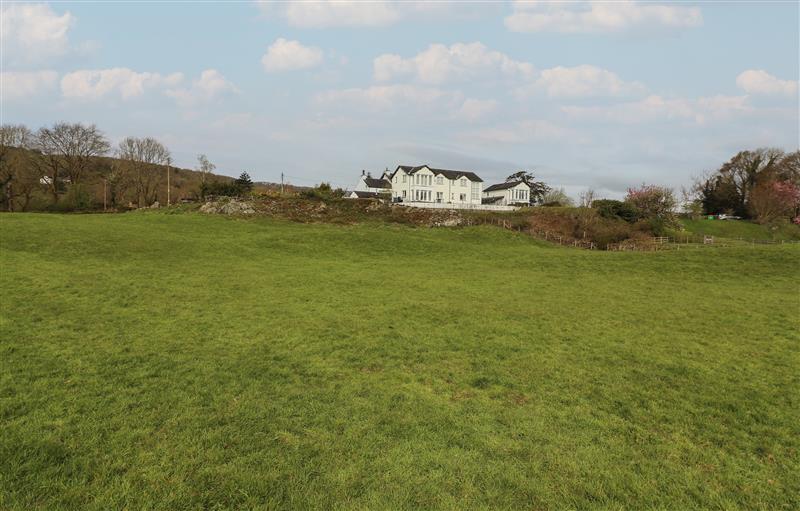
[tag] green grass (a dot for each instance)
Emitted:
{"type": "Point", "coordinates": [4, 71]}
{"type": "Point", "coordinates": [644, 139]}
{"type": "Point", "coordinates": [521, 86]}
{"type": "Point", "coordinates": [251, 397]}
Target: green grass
{"type": "Point", "coordinates": [153, 361]}
{"type": "Point", "coordinates": [741, 229]}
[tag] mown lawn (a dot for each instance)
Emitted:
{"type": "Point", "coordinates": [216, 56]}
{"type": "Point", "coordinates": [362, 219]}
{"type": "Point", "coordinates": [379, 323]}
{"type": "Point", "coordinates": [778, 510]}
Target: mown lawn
{"type": "Point", "coordinates": [156, 361]}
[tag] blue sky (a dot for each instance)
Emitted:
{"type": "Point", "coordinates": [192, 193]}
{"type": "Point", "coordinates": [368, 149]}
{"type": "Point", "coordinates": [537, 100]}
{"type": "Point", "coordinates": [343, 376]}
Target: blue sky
{"type": "Point", "coordinates": [601, 95]}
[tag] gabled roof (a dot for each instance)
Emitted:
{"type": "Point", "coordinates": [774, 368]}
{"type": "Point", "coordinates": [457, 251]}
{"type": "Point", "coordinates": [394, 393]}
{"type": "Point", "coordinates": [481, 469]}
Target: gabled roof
{"type": "Point", "coordinates": [449, 174]}
{"type": "Point", "coordinates": [377, 183]}
{"type": "Point", "coordinates": [366, 195]}
{"type": "Point", "coordinates": [503, 186]}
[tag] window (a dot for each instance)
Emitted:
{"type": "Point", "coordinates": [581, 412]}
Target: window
{"type": "Point", "coordinates": [439, 196]}
{"type": "Point", "coordinates": [463, 182]}
{"type": "Point", "coordinates": [422, 195]}
{"type": "Point", "coordinates": [404, 178]}
{"type": "Point", "coordinates": [476, 191]}
{"type": "Point", "coordinates": [404, 192]}
{"type": "Point", "coordinates": [439, 180]}
{"type": "Point", "coordinates": [463, 197]}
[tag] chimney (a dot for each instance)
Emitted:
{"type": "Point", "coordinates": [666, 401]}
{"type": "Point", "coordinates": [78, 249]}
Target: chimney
{"type": "Point", "coordinates": [363, 172]}
{"type": "Point", "coordinates": [369, 175]}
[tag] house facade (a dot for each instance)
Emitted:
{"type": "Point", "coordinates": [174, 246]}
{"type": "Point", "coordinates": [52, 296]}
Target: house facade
{"type": "Point", "coordinates": [436, 186]}
{"type": "Point", "coordinates": [512, 193]}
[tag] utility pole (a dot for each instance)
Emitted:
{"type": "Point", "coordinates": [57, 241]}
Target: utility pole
{"type": "Point", "coordinates": [281, 183]}
{"type": "Point", "coordinates": [105, 188]}
{"type": "Point", "coordinates": [169, 162]}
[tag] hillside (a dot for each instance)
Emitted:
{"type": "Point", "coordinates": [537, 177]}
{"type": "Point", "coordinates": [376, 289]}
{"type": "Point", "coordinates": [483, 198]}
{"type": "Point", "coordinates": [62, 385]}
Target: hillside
{"type": "Point", "coordinates": [119, 190]}
{"type": "Point", "coordinates": [169, 360]}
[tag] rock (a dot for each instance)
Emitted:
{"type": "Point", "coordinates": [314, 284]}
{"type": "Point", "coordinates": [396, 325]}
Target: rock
{"type": "Point", "coordinates": [228, 207]}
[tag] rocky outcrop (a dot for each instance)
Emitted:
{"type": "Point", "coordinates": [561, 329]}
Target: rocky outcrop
{"type": "Point", "coordinates": [228, 207]}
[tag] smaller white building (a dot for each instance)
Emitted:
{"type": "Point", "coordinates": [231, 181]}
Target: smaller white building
{"type": "Point", "coordinates": [510, 193]}
{"type": "Point", "coordinates": [370, 188]}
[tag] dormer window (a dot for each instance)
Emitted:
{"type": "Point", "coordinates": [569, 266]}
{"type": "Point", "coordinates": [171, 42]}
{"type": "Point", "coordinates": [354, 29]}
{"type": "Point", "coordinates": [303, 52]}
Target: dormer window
{"type": "Point", "coordinates": [463, 182]}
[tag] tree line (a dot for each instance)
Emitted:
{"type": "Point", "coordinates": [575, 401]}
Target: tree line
{"type": "Point", "coordinates": [62, 166]}
{"type": "Point", "coordinates": [761, 184]}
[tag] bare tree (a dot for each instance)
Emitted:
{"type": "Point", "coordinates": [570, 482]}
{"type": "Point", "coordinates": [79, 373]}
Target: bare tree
{"type": "Point", "coordinates": [17, 176]}
{"type": "Point", "coordinates": [204, 166]}
{"type": "Point", "coordinates": [587, 198]}
{"type": "Point", "coordinates": [142, 158]}
{"type": "Point", "coordinates": [67, 151]}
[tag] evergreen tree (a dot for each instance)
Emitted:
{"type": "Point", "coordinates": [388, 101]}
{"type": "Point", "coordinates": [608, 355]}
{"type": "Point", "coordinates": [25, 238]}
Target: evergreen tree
{"type": "Point", "coordinates": [244, 182]}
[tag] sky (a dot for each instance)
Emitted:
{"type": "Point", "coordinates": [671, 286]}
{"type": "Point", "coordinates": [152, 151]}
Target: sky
{"type": "Point", "coordinates": [602, 95]}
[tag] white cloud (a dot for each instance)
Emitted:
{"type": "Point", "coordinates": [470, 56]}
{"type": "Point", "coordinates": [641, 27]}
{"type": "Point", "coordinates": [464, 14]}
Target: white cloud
{"type": "Point", "coordinates": [656, 108]}
{"type": "Point", "coordinates": [127, 84]}
{"type": "Point", "coordinates": [440, 63]}
{"type": "Point", "coordinates": [474, 109]}
{"type": "Point", "coordinates": [518, 133]}
{"type": "Point", "coordinates": [599, 17]}
{"type": "Point", "coordinates": [21, 84]}
{"type": "Point", "coordinates": [386, 97]}
{"type": "Point", "coordinates": [121, 81]}
{"type": "Point", "coordinates": [285, 55]}
{"type": "Point", "coordinates": [759, 81]}
{"type": "Point", "coordinates": [209, 86]}
{"type": "Point", "coordinates": [341, 14]}
{"type": "Point", "coordinates": [581, 81]}
{"type": "Point", "coordinates": [32, 31]}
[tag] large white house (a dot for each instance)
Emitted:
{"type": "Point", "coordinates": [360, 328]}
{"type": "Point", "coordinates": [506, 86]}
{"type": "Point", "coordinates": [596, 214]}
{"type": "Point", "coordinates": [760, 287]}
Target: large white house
{"type": "Point", "coordinates": [511, 193]}
{"type": "Point", "coordinates": [430, 185]}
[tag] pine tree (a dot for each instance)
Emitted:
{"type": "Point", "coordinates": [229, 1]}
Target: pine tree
{"type": "Point", "coordinates": [244, 183]}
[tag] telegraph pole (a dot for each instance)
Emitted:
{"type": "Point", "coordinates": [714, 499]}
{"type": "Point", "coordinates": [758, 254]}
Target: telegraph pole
{"type": "Point", "coordinates": [281, 183]}
{"type": "Point", "coordinates": [169, 162]}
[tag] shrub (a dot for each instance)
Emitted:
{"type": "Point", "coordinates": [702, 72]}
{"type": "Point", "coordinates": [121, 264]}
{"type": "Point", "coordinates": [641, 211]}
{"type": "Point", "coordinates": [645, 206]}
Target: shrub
{"type": "Point", "coordinates": [608, 208]}
{"type": "Point", "coordinates": [775, 200]}
{"type": "Point", "coordinates": [653, 202]}
{"type": "Point", "coordinates": [323, 191]}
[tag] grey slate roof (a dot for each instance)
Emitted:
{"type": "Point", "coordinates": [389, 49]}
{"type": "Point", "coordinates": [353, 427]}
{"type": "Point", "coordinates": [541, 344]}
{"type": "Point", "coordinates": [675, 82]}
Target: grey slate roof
{"type": "Point", "coordinates": [377, 183]}
{"type": "Point", "coordinates": [502, 186]}
{"type": "Point", "coordinates": [366, 195]}
{"type": "Point", "coordinates": [449, 174]}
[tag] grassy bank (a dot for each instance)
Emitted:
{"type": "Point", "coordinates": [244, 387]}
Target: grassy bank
{"type": "Point", "coordinates": [155, 361]}
{"type": "Point", "coordinates": [742, 229]}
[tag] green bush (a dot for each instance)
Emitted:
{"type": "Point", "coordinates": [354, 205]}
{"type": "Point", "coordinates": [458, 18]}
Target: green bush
{"type": "Point", "coordinates": [608, 208]}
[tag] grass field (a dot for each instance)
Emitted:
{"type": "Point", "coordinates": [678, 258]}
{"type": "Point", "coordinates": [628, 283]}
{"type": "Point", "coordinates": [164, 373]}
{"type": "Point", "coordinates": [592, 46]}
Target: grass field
{"type": "Point", "coordinates": [156, 361]}
{"type": "Point", "coordinates": [742, 229]}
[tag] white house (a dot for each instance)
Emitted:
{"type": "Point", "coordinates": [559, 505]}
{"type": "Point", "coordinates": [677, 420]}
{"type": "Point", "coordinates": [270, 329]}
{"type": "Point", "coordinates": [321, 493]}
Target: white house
{"type": "Point", "coordinates": [370, 188]}
{"type": "Point", "coordinates": [430, 185]}
{"type": "Point", "coordinates": [511, 193]}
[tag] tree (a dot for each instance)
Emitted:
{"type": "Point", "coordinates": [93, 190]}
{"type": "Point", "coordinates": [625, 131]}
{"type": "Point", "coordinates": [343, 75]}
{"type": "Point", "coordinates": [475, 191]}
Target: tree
{"type": "Point", "coordinates": [557, 197]}
{"type": "Point", "coordinates": [773, 200]}
{"type": "Point", "coordinates": [244, 183]}
{"type": "Point", "coordinates": [68, 149]}
{"type": "Point", "coordinates": [17, 176]}
{"type": "Point", "coordinates": [653, 201]}
{"type": "Point", "coordinates": [144, 158]}
{"type": "Point", "coordinates": [204, 166]}
{"type": "Point", "coordinates": [538, 188]}
{"type": "Point", "coordinates": [587, 198]}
